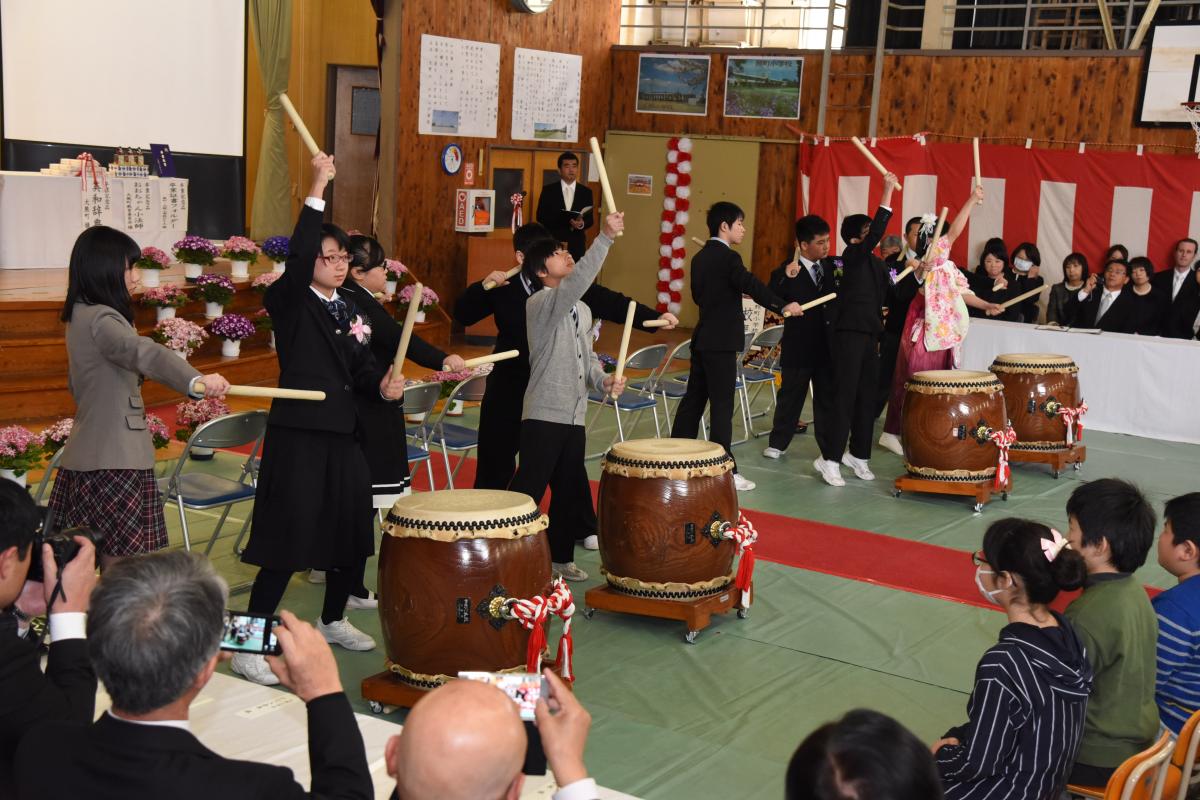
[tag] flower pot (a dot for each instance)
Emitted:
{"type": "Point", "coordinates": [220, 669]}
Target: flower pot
{"type": "Point", "coordinates": [181, 353]}
{"type": "Point", "coordinates": [22, 479]}
{"type": "Point", "coordinates": [192, 271]}
{"type": "Point", "coordinates": [241, 270]}
{"type": "Point", "coordinates": [213, 310]}
{"type": "Point", "coordinates": [391, 287]}
{"type": "Point", "coordinates": [271, 341]}
{"type": "Point", "coordinates": [164, 312]}
{"type": "Point", "coordinates": [278, 266]}
{"type": "Point", "coordinates": [201, 453]}
{"type": "Point", "coordinates": [414, 418]}
{"type": "Point", "coordinates": [456, 409]}
{"type": "Point", "coordinates": [420, 316]}
{"type": "Point", "coordinates": [231, 348]}
{"type": "Point", "coordinates": [149, 278]}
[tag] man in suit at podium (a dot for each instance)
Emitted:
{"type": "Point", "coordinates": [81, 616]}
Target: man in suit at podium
{"type": "Point", "coordinates": [566, 206]}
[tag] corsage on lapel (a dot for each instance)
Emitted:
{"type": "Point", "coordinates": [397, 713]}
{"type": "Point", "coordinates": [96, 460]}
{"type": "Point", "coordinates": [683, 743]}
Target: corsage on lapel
{"type": "Point", "coordinates": [360, 330]}
{"type": "Point", "coordinates": [837, 269]}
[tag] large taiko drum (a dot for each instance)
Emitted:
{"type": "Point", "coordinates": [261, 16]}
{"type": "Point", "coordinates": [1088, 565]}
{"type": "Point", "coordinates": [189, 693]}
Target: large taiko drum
{"type": "Point", "coordinates": [445, 559]}
{"type": "Point", "coordinates": [947, 422]}
{"type": "Point", "coordinates": [661, 511]}
{"type": "Point", "coordinates": [1036, 387]}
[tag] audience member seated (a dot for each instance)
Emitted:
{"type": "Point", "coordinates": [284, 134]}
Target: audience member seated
{"type": "Point", "coordinates": [1075, 273]}
{"type": "Point", "coordinates": [1116, 251]}
{"type": "Point", "coordinates": [890, 247]}
{"type": "Point", "coordinates": [1109, 306]}
{"type": "Point", "coordinates": [1150, 305]}
{"type": "Point", "coordinates": [67, 690]}
{"type": "Point", "coordinates": [1178, 609]}
{"type": "Point", "coordinates": [153, 633]}
{"type": "Point", "coordinates": [1112, 527]}
{"type": "Point", "coordinates": [864, 755]}
{"type": "Point", "coordinates": [1027, 263]}
{"type": "Point", "coordinates": [1182, 284]}
{"type": "Point", "coordinates": [465, 741]}
{"type": "Point", "coordinates": [1025, 716]}
{"type": "Point", "coordinates": [994, 282]}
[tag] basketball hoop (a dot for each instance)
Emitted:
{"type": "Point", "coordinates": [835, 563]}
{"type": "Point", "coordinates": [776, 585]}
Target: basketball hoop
{"type": "Point", "coordinates": [1193, 114]}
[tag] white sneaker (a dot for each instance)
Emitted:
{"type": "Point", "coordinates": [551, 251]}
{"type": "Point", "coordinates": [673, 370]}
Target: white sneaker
{"type": "Point", "coordinates": [591, 542]}
{"type": "Point", "coordinates": [570, 571]}
{"type": "Point", "coordinates": [772, 452]}
{"type": "Point", "coordinates": [357, 603]}
{"type": "Point", "coordinates": [743, 484]}
{"type": "Point", "coordinates": [830, 471]}
{"type": "Point", "coordinates": [861, 469]}
{"type": "Point", "coordinates": [890, 441]}
{"type": "Point", "coordinates": [316, 576]}
{"type": "Point", "coordinates": [253, 668]}
{"type": "Point", "coordinates": [345, 634]}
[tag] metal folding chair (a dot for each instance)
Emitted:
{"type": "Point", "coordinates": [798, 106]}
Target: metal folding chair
{"type": "Point", "coordinates": [449, 436]}
{"type": "Point", "coordinates": [40, 492]}
{"type": "Point", "coordinates": [675, 387]}
{"type": "Point", "coordinates": [767, 342]}
{"type": "Point", "coordinates": [421, 398]}
{"type": "Point", "coordinates": [634, 399]}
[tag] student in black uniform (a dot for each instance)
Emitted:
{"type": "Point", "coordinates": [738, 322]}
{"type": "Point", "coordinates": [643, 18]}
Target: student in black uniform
{"type": "Point", "coordinates": [897, 300]}
{"type": "Point", "coordinates": [719, 279]}
{"type": "Point", "coordinates": [312, 506]}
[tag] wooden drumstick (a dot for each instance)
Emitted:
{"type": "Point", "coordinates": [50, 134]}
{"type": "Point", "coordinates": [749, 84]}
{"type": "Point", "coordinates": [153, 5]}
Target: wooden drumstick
{"type": "Point", "coordinates": [604, 185]}
{"type": "Point", "coordinates": [488, 285]}
{"type": "Point", "coordinates": [490, 358]}
{"type": "Point", "coordinates": [978, 172]}
{"type": "Point", "coordinates": [268, 391]}
{"type": "Point", "coordinates": [903, 274]}
{"type": "Point", "coordinates": [655, 323]}
{"type": "Point", "coordinates": [825, 298]}
{"type": "Point", "coordinates": [874, 161]}
{"type": "Point", "coordinates": [301, 128]}
{"type": "Point", "coordinates": [937, 234]}
{"type": "Point", "coordinates": [624, 351]}
{"type": "Point", "coordinates": [698, 241]}
{"type": "Point", "coordinates": [410, 319]}
{"type": "Point", "coordinates": [1021, 297]}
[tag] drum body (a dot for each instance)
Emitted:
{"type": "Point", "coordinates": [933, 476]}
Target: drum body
{"type": "Point", "coordinates": [661, 506]}
{"type": "Point", "coordinates": [947, 418]}
{"type": "Point", "coordinates": [1036, 386]}
{"type": "Point", "coordinates": [444, 558]}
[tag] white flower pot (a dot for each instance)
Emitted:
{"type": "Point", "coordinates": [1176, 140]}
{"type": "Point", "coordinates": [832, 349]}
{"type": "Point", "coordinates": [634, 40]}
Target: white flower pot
{"type": "Point", "coordinates": [162, 313]}
{"type": "Point", "coordinates": [420, 316]}
{"type": "Point", "coordinates": [278, 266]}
{"type": "Point", "coordinates": [181, 353]}
{"type": "Point", "coordinates": [456, 409]}
{"type": "Point", "coordinates": [391, 287]}
{"type": "Point", "coordinates": [271, 341]}
{"type": "Point", "coordinates": [231, 348]}
{"type": "Point", "coordinates": [213, 310]}
{"type": "Point", "coordinates": [22, 479]}
{"type": "Point", "coordinates": [149, 278]}
{"type": "Point", "coordinates": [241, 270]}
{"type": "Point", "coordinates": [192, 271]}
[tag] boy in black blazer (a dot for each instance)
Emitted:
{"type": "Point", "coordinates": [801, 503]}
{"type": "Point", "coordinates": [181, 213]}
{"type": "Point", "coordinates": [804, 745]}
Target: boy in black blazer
{"type": "Point", "coordinates": [562, 218]}
{"type": "Point", "coordinates": [855, 326]}
{"type": "Point", "coordinates": [719, 279]}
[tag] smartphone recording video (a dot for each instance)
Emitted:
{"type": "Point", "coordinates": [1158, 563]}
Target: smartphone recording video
{"type": "Point", "coordinates": [250, 633]}
{"type": "Point", "coordinates": [524, 688]}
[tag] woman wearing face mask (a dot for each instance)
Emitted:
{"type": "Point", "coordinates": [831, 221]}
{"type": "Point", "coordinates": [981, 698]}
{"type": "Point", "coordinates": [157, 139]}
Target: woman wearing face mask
{"type": "Point", "coordinates": [1026, 711]}
{"type": "Point", "coordinates": [1027, 263]}
{"type": "Point", "coordinates": [993, 281]}
{"type": "Point", "coordinates": [1075, 273]}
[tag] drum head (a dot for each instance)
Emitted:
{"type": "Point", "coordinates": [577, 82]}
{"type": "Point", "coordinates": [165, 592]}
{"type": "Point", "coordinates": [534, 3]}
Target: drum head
{"type": "Point", "coordinates": [953, 381]}
{"type": "Point", "coordinates": [667, 451]}
{"type": "Point", "coordinates": [1033, 362]}
{"type": "Point", "coordinates": [465, 514]}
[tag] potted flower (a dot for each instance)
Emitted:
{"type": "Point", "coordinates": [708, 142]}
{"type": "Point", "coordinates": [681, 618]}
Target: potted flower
{"type": "Point", "coordinates": [159, 433]}
{"type": "Point", "coordinates": [428, 300]}
{"type": "Point", "coordinates": [397, 273]}
{"type": "Point", "coordinates": [262, 322]}
{"type": "Point", "coordinates": [196, 253]}
{"type": "Point", "coordinates": [448, 380]}
{"type": "Point", "coordinates": [179, 335]}
{"type": "Point", "coordinates": [164, 300]}
{"type": "Point", "coordinates": [191, 414]}
{"type": "Point", "coordinates": [232, 328]}
{"type": "Point", "coordinates": [276, 249]}
{"type": "Point", "coordinates": [240, 251]}
{"type": "Point", "coordinates": [217, 290]}
{"type": "Point", "coordinates": [263, 282]}
{"type": "Point", "coordinates": [151, 263]}
{"type": "Point", "coordinates": [53, 438]}
{"type": "Point", "coordinates": [20, 451]}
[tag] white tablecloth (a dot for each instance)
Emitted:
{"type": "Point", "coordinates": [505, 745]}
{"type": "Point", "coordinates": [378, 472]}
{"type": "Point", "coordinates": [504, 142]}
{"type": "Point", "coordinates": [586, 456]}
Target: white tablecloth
{"type": "Point", "coordinates": [1139, 385]}
{"type": "Point", "coordinates": [41, 215]}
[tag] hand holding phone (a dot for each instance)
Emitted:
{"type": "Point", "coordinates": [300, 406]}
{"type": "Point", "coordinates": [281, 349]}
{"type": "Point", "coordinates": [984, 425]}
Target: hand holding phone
{"type": "Point", "coordinates": [563, 724]}
{"type": "Point", "coordinates": [250, 633]}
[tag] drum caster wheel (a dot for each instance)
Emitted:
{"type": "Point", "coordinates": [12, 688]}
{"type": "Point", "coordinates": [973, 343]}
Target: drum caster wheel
{"type": "Point", "coordinates": [588, 613]}
{"type": "Point", "coordinates": [690, 636]}
{"type": "Point", "coordinates": [1004, 496]}
{"type": "Point", "coordinates": [743, 613]}
{"type": "Point", "coordinates": [375, 706]}
{"type": "Point", "coordinates": [1078, 465]}
{"type": "Point", "coordinates": [1055, 473]}
{"type": "Point", "coordinates": [896, 492]}
{"type": "Point", "coordinates": [978, 507]}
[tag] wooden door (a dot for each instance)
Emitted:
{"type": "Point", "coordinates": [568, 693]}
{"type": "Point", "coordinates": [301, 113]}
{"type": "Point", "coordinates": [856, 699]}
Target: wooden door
{"type": "Point", "coordinates": [354, 123]}
{"type": "Point", "coordinates": [509, 173]}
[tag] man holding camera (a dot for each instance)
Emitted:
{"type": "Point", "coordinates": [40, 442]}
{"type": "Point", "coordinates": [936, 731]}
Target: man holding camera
{"type": "Point", "coordinates": [67, 689]}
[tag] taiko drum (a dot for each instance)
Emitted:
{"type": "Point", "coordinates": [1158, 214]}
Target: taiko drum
{"type": "Point", "coordinates": [1036, 386]}
{"type": "Point", "coordinates": [947, 419]}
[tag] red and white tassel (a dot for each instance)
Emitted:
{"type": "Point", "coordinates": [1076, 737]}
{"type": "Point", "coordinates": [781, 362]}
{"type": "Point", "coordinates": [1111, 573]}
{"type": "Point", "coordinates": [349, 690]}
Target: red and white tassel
{"type": "Point", "coordinates": [533, 614]}
{"type": "Point", "coordinates": [1073, 419]}
{"type": "Point", "coordinates": [744, 535]}
{"type": "Point", "coordinates": [1003, 440]}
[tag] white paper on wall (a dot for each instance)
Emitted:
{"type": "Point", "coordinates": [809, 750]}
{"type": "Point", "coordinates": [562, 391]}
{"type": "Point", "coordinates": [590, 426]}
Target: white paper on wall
{"type": "Point", "coordinates": [174, 201]}
{"type": "Point", "coordinates": [546, 95]}
{"type": "Point", "coordinates": [97, 207]}
{"type": "Point", "coordinates": [139, 205]}
{"type": "Point", "coordinates": [460, 87]}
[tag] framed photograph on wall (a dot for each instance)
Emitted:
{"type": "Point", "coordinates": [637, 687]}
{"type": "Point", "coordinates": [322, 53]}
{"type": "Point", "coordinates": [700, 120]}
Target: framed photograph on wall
{"type": "Point", "coordinates": [672, 84]}
{"type": "Point", "coordinates": [765, 87]}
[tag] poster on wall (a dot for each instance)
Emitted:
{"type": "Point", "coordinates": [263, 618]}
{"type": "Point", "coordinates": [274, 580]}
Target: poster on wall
{"type": "Point", "coordinates": [672, 84]}
{"type": "Point", "coordinates": [546, 95]}
{"type": "Point", "coordinates": [639, 185]}
{"type": "Point", "coordinates": [766, 87]}
{"type": "Point", "coordinates": [460, 87]}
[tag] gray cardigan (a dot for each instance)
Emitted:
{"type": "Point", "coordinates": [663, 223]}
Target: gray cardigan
{"type": "Point", "coordinates": [561, 361]}
{"type": "Point", "coordinates": [107, 360]}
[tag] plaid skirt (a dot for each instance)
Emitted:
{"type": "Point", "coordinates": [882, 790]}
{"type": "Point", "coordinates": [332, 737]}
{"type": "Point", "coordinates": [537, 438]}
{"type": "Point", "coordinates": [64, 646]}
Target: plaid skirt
{"type": "Point", "coordinates": [124, 505]}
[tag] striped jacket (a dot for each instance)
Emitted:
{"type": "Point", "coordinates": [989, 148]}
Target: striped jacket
{"type": "Point", "coordinates": [1025, 717]}
{"type": "Point", "coordinates": [1177, 685]}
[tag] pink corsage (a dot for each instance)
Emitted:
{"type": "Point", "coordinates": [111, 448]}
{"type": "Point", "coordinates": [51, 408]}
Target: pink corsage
{"type": "Point", "coordinates": [360, 330]}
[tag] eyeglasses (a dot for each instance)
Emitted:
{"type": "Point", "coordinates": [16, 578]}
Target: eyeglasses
{"type": "Point", "coordinates": [334, 260]}
{"type": "Point", "coordinates": [978, 560]}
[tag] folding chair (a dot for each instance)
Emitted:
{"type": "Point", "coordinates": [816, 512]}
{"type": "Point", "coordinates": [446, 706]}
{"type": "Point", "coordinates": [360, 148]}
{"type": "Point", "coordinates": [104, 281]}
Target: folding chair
{"type": "Point", "coordinates": [1183, 760]}
{"type": "Point", "coordinates": [633, 400]}
{"type": "Point", "coordinates": [420, 398]}
{"type": "Point", "coordinates": [768, 342]}
{"type": "Point", "coordinates": [40, 492]}
{"type": "Point", "coordinates": [200, 491]}
{"type": "Point", "coordinates": [1140, 777]}
{"type": "Point", "coordinates": [447, 435]}
{"type": "Point", "coordinates": [670, 388]}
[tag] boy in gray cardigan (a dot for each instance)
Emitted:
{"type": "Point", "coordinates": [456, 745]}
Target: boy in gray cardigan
{"type": "Point", "coordinates": [561, 368]}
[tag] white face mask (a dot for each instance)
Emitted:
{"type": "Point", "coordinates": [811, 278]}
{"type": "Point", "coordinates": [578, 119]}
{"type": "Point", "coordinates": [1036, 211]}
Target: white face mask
{"type": "Point", "coordinates": [1022, 264]}
{"type": "Point", "coordinates": [989, 596]}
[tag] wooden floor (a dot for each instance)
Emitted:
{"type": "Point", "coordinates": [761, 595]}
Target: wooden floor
{"type": "Point", "coordinates": [45, 284]}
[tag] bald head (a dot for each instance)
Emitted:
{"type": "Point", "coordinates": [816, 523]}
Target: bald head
{"type": "Point", "coordinates": [463, 741]}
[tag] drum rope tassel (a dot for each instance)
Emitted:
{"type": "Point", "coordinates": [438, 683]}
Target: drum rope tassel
{"type": "Point", "coordinates": [1003, 440]}
{"type": "Point", "coordinates": [744, 535]}
{"type": "Point", "coordinates": [1073, 419]}
{"type": "Point", "coordinates": [533, 613]}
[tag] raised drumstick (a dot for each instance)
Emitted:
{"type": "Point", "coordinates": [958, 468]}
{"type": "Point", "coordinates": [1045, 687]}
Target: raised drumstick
{"type": "Point", "coordinates": [937, 234]}
{"type": "Point", "coordinates": [604, 185]}
{"type": "Point", "coordinates": [268, 391]}
{"type": "Point", "coordinates": [978, 172]}
{"type": "Point", "coordinates": [698, 241]}
{"type": "Point", "coordinates": [490, 358]}
{"type": "Point", "coordinates": [874, 161]}
{"type": "Point", "coordinates": [410, 319]}
{"type": "Point", "coordinates": [490, 284]}
{"type": "Point", "coordinates": [624, 351]}
{"type": "Point", "coordinates": [1021, 297]}
{"type": "Point", "coordinates": [301, 128]}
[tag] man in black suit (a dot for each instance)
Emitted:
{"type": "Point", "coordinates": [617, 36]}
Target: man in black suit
{"type": "Point", "coordinates": [67, 689]}
{"type": "Point", "coordinates": [897, 300]}
{"type": "Point", "coordinates": [1110, 307]}
{"type": "Point", "coordinates": [1182, 285]}
{"type": "Point", "coordinates": [719, 279]}
{"type": "Point", "coordinates": [804, 355]}
{"type": "Point", "coordinates": [154, 630]}
{"type": "Point", "coordinates": [856, 321]}
{"type": "Point", "coordinates": [561, 206]}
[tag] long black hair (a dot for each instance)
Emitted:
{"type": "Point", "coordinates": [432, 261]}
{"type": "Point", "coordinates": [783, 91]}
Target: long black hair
{"type": "Point", "coordinates": [96, 275]}
{"type": "Point", "coordinates": [1015, 546]}
{"type": "Point", "coordinates": [366, 253]}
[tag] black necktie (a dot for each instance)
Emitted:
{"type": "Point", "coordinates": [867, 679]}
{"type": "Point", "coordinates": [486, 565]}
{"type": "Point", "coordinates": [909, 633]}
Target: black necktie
{"type": "Point", "coordinates": [818, 273]}
{"type": "Point", "coordinates": [338, 310]}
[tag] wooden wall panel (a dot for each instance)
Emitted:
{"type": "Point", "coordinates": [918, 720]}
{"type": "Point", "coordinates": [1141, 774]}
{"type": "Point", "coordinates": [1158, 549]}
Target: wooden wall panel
{"type": "Point", "coordinates": [775, 217]}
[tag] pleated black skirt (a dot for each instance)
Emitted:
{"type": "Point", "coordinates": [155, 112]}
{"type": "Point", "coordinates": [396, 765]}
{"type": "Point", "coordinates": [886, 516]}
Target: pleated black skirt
{"type": "Point", "coordinates": [385, 446]}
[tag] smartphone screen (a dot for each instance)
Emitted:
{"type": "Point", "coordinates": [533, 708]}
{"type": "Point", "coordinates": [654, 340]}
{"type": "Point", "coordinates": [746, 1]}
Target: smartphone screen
{"type": "Point", "coordinates": [250, 633]}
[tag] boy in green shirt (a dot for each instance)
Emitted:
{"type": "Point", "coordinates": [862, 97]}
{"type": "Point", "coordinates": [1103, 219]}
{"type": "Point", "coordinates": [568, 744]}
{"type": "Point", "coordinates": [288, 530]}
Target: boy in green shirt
{"type": "Point", "coordinates": [1112, 527]}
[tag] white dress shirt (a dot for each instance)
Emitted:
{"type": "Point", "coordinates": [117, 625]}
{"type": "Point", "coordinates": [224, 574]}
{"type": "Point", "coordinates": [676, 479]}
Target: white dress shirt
{"type": "Point", "coordinates": [810, 266]}
{"type": "Point", "coordinates": [568, 190]}
{"type": "Point", "coordinates": [1106, 302]}
{"type": "Point", "coordinates": [181, 724]}
{"type": "Point", "coordinates": [68, 625]}
{"type": "Point", "coordinates": [582, 789]}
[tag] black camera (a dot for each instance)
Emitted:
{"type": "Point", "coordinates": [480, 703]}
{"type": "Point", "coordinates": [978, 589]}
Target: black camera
{"type": "Point", "coordinates": [62, 544]}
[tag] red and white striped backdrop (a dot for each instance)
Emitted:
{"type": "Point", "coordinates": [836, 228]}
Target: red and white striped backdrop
{"type": "Point", "coordinates": [1063, 201]}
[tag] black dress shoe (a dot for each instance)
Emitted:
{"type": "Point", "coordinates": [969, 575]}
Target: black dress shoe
{"type": "Point", "coordinates": [801, 427]}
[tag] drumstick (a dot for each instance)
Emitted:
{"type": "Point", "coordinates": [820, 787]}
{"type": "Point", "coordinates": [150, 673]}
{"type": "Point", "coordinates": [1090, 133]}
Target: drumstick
{"type": "Point", "coordinates": [1020, 297]}
{"type": "Point", "coordinates": [874, 161]}
{"type": "Point", "coordinates": [624, 351]}
{"type": "Point", "coordinates": [604, 186]}
{"type": "Point", "coordinates": [825, 298]}
{"type": "Point", "coordinates": [410, 319]}
{"type": "Point", "coordinates": [903, 274]}
{"type": "Point", "coordinates": [268, 391]}
{"type": "Point", "coordinates": [937, 234]}
{"type": "Point", "coordinates": [488, 285]}
{"type": "Point", "coordinates": [978, 173]}
{"type": "Point", "coordinates": [490, 358]}
{"type": "Point", "coordinates": [698, 241]}
{"type": "Point", "coordinates": [655, 323]}
{"type": "Point", "coordinates": [301, 129]}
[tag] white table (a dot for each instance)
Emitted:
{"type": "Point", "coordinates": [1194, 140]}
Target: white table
{"type": "Point", "coordinates": [41, 216]}
{"type": "Point", "coordinates": [1140, 385]}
